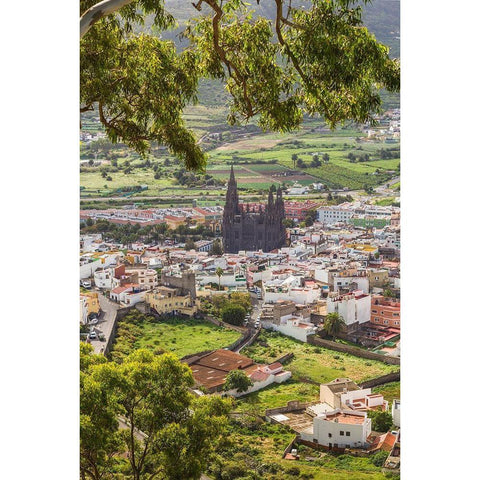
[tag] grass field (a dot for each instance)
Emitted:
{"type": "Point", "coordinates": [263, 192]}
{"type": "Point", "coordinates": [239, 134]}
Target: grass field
{"type": "Point", "coordinates": [177, 335]}
{"type": "Point", "coordinates": [314, 363]}
{"type": "Point", "coordinates": [309, 364]}
{"type": "Point", "coordinates": [390, 391]}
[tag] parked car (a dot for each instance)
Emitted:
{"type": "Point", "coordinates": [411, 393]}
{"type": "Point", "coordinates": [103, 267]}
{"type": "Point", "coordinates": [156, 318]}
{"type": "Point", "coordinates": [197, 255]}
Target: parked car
{"type": "Point", "coordinates": [92, 335]}
{"type": "Point", "coordinates": [86, 284]}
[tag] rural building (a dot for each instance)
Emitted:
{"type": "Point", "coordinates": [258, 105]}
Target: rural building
{"type": "Point", "coordinates": [210, 371]}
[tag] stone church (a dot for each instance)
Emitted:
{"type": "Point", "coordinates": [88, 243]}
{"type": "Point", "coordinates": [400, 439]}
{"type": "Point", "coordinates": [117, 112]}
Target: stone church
{"type": "Point", "coordinates": [243, 229]}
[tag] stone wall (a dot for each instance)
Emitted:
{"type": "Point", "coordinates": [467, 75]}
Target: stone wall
{"type": "Point", "coordinates": [375, 382]}
{"type": "Point", "coordinates": [358, 352]}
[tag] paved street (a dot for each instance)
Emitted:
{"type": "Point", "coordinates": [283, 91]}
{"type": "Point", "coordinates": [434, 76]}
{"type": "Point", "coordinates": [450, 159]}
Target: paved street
{"type": "Point", "coordinates": [105, 325]}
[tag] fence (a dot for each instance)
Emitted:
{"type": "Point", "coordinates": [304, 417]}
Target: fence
{"type": "Point", "coordinates": [358, 352]}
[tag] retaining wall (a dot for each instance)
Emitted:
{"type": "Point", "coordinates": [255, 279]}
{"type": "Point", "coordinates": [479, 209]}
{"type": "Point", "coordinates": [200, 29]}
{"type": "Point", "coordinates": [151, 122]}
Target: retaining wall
{"type": "Point", "coordinates": [358, 352]}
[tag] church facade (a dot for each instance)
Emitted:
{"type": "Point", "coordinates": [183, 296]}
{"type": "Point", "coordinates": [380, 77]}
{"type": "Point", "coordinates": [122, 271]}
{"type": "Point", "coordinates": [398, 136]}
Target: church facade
{"type": "Point", "coordinates": [243, 229]}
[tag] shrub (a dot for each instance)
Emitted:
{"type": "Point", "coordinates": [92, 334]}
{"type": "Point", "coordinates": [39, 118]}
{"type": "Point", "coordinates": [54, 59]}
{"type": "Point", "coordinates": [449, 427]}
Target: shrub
{"type": "Point", "coordinates": [294, 471]}
{"type": "Point", "coordinates": [379, 458]}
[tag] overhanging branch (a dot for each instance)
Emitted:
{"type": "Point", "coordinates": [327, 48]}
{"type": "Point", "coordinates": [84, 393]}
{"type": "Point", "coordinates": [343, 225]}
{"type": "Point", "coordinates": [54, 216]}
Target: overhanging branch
{"type": "Point", "coordinates": [98, 11]}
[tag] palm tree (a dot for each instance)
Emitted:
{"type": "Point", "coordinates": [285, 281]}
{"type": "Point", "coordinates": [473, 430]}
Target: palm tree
{"type": "Point", "coordinates": [334, 324]}
{"type": "Point", "coordinates": [219, 273]}
{"type": "Point", "coordinates": [294, 160]}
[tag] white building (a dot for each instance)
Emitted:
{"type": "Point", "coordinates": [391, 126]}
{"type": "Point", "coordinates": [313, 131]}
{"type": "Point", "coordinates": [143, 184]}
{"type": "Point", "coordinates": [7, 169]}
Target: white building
{"type": "Point", "coordinates": [354, 282]}
{"type": "Point", "coordinates": [396, 412]}
{"type": "Point", "coordinates": [90, 263]}
{"type": "Point", "coordinates": [354, 307]}
{"type": "Point", "coordinates": [104, 278]}
{"type": "Point", "coordinates": [339, 429]}
{"type": "Point", "coordinates": [335, 213]}
{"type": "Point", "coordinates": [83, 310]}
{"type": "Point", "coordinates": [293, 326]}
{"type": "Point", "coordinates": [263, 377]}
{"type": "Point", "coordinates": [300, 295]}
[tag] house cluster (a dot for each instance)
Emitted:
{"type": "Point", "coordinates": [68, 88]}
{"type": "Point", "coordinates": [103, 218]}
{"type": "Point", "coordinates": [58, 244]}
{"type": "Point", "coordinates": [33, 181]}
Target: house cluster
{"type": "Point", "coordinates": [173, 217]}
{"type": "Point", "coordinates": [339, 419]}
{"type": "Point", "coordinates": [328, 267]}
{"type": "Point", "coordinates": [359, 214]}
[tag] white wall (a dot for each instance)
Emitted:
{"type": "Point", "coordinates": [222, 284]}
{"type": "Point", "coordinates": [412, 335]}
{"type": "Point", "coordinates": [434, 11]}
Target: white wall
{"type": "Point", "coordinates": [88, 269]}
{"type": "Point", "coordinates": [132, 298]}
{"type": "Point", "coordinates": [104, 278]}
{"type": "Point", "coordinates": [351, 309]}
{"type": "Point", "coordinates": [354, 395]}
{"type": "Point", "coordinates": [362, 282]}
{"type": "Point", "coordinates": [357, 437]}
{"type": "Point", "coordinates": [396, 412]}
{"type": "Point", "coordinates": [283, 377]}
{"type": "Point", "coordinates": [288, 328]}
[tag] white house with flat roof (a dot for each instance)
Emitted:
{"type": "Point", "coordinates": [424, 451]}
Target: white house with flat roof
{"type": "Point", "coordinates": [339, 429]}
{"type": "Point", "coordinates": [354, 307]}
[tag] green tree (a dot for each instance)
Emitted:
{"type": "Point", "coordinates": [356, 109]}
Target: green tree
{"type": "Point", "coordinates": [334, 324]}
{"type": "Point", "coordinates": [326, 157]}
{"type": "Point", "coordinates": [381, 421]}
{"type": "Point", "coordinates": [310, 217]}
{"type": "Point", "coordinates": [233, 314]}
{"type": "Point", "coordinates": [237, 380]}
{"type": "Point", "coordinates": [216, 248]}
{"type": "Point", "coordinates": [219, 273]}
{"type": "Point", "coordinates": [387, 293]}
{"type": "Point", "coordinates": [294, 160]}
{"type": "Point", "coordinates": [243, 299]}
{"type": "Point", "coordinates": [189, 244]}
{"type": "Point", "coordinates": [289, 223]}
{"type": "Point", "coordinates": [270, 68]}
{"type": "Point", "coordinates": [166, 433]}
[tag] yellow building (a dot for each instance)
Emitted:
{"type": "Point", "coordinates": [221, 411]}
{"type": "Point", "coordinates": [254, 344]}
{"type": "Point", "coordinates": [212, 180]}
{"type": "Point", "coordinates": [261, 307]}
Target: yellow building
{"type": "Point", "coordinates": [93, 304]}
{"type": "Point", "coordinates": [169, 300]}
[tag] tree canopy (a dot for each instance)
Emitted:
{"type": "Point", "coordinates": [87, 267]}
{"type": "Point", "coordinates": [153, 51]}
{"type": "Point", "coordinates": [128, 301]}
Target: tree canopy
{"type": "Point", "coordinates": [334, 324]}
{"type": "Point", "coordinates": [233, 313]}
{"type": "Point", "coordinates": [237, 380]}
{"type": "Point", "coordinates": [143, 407]}
{"type": "Point", "coordinates": [306, 60]}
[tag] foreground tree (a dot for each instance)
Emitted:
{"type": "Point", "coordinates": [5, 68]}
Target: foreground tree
{"type": "Point", "coordinates": [166, 432]}
{"type": "Point", "coordinates": [237, 380]}
{"type": "Point", "coordinates": [310, 60]}
{"type": "Point", "coordinates": [334, 324]}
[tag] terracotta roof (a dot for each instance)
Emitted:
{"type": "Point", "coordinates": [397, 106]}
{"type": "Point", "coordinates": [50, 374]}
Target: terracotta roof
{"type": "Point", "coordinates": [346, 418]}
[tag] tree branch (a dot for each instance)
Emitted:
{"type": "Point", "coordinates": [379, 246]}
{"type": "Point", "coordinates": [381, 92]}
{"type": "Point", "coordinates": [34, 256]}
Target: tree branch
{"type": "Point", "coordinates": [98, 11]}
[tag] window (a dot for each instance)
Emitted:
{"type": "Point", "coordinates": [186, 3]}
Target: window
{"type": "Point", "coordinates": [374, 311]}
{"type": "Point", "coordinates": [342, 433]}
{"type": "Point", "coordinates": [348, 434]}
{"type": "Point", "coordinates": [329, 435]}
{"type": "Point", "coordinates": [385, 322]}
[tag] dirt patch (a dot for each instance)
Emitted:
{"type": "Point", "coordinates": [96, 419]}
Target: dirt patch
{"type": "Point", "coordinates": [249, 144]}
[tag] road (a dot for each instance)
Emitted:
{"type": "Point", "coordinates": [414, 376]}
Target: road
{"type": "Point", "coordinates": [106, 322]}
